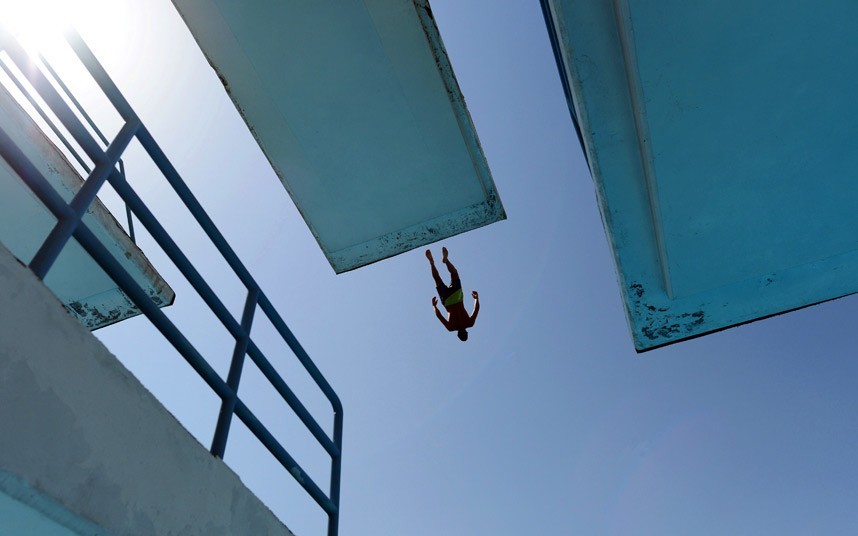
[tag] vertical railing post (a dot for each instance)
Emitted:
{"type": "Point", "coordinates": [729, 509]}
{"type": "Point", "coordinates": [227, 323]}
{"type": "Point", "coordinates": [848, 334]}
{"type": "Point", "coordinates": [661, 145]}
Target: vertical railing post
{"type": "Point", "coordinates": [336, 470]}
{"type": "Point", "coordinates": [227, 407]}
{"type": "Point", "coordinates": [127, 206]}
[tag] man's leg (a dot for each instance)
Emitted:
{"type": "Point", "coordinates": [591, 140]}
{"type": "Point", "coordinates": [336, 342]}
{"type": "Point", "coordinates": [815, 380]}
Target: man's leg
{"type": "Point", "coordinates": [435, 275]}
{"type": "Point", "coordinates": [453, 272]}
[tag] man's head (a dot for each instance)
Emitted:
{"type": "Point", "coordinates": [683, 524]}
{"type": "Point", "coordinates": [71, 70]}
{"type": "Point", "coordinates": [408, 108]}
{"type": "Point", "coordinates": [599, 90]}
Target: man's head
{"type": "Point", "coordinates": [463, 335]}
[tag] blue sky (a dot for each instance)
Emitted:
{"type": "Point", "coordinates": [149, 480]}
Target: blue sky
{"type": "Point", "coordinates": [546, 421]}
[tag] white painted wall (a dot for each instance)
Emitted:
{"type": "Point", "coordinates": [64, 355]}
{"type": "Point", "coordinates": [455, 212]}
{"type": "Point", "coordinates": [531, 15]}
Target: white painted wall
{"type": "Point", "coordinates": [78, 428]}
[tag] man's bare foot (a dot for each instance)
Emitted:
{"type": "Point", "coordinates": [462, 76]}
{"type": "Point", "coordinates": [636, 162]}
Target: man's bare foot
{"type": "Point", "coordinates": [429, 256]}
{"type": "Point", "coordinates": [443, 254]}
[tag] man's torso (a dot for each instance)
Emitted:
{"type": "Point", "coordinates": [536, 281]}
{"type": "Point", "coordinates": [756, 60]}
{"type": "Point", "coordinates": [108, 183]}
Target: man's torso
{"type": "Point", "coordinates": [452, 298]}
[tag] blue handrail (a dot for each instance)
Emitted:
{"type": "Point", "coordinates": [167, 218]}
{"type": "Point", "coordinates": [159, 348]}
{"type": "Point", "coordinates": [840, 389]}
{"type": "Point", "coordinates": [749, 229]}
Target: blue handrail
{"type": "Point", "coordinates": [60, 136]}
{"type": "Point", "coordinates": [70, 224]}
{"type": "Point", "coordinates": [95, 129]}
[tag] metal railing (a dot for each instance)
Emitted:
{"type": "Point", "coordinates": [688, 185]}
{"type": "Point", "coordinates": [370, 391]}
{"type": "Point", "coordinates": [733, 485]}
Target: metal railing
{"type": "Point", "coordinates": [69, 225]}
{"type": "Point", "coordinates": [69, 147]}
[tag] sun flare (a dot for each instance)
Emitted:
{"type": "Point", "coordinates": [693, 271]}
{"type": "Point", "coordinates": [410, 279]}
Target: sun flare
{"type": "Point", "coordinates": [37, 24]}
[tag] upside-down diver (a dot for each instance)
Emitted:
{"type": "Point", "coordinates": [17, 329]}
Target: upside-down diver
{"type": "Point", "coordinates": [451, 296]}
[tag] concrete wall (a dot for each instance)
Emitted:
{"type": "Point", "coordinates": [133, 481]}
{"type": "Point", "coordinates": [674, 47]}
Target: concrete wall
{"type": "Point", "coordinates": [81, 434]}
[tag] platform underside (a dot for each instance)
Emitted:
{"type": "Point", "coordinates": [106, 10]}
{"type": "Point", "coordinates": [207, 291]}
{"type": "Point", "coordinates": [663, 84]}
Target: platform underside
{"type": "Point", "coordinates": [720, 138]}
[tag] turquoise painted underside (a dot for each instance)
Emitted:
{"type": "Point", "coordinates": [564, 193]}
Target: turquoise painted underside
{"type": "Point", "coordinates": [25, 510]}
{"type": "Point", "coordinates": [356, 107]}
{"type": "Point", "coordinates": [720, 137]}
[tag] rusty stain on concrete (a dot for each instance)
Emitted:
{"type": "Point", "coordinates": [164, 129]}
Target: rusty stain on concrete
{"type": "Point", "coordinates": [658, 322]}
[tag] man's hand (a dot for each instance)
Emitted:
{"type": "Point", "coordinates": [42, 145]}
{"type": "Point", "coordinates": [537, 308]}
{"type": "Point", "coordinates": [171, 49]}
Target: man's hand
{"type": "Point", "coordinates": [476, 297]}
{"type": "Point", "coordinates": [435, 302]}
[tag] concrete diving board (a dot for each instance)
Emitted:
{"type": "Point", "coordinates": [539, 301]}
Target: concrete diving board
{"type": "Point", "coordinates": [356, 107]}
{"type": "Point", "coordinates": [721, 140]}
{"type": "Point", "coordinates": [85, 289]}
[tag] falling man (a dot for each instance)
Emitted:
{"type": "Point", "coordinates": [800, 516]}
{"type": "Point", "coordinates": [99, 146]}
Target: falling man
{"type": "Point", "coordinates": [457, 319]}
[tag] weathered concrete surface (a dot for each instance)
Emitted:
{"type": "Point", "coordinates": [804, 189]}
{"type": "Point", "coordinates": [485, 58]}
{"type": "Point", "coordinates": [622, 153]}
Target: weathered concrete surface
{"type": "Point", "coordinates": [722, 154]}
{"type": "Point", "coordinates": [79, 428]}
{"type": "Point", "coordinates": [75, 278]}
{"type": "Point", "coordinates": [356, 106]}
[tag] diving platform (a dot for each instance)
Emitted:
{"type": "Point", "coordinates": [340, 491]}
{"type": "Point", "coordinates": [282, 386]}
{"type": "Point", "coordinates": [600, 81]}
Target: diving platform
{"type": "Point", "coordinates": [85, 289]}
{"type": "Point", "coordinates": [720, 138]}
{"type": "Point", "coordinates": [356, 106]}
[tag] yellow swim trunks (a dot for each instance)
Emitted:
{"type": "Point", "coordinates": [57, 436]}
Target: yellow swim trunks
{"type": "Point", "coordinates": [456, 297]}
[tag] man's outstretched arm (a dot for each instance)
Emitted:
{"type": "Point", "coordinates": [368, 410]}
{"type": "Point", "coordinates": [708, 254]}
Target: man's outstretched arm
{"type": "Point", "coordinates": [476, 297]}
{"type": "Point", "coordinates": [439, 315]}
